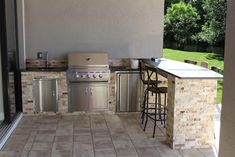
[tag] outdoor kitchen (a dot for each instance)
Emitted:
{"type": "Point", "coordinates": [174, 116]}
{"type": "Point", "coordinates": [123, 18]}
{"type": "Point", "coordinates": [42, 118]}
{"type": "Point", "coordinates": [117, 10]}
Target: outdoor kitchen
{"type": "Point", "coordinates": [94, 83]}
{"type": "Point", "coordinates": [188, 83]}
{"type": "Point", "coordinates": [66, 77]}
{"type": "Point", "coordinates": [143, 39]}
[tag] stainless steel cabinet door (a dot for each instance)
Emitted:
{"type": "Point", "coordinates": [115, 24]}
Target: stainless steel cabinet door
{"type": "Point", "coordinates": [45, 94]}
{"type": "Point", "coordinates": [133, 88]}
{"type": "Point", "coordinates": [78, 97]}
{"type": "Point", "coordinates": [48, 95]}
{"type": "Point", "coordinates": [36, 94]}
{"type": "Point", "coordinates": [129, 90]}
{"type": "Point", "coordinates": [123, 93]}
{"type": "Point", "coordinates": [98, 96]}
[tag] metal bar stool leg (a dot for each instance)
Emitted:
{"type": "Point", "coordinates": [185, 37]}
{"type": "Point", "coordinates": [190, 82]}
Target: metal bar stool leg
{"type": "Point", "coordinates": [147, 110]}
{"type": "Point", "coordinates": [164, 116]}
{"type": "Point", "coordinates": [144, 107]}
{"type": "Point", "coordinates": [155, 115]}
{"type": "Point", "coordinates": [159, 108]}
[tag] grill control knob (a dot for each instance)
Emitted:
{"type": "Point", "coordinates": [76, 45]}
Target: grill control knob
{"type": "Point", "coordinates": [77, 76]}
{"type": "Point", "coordinates": [94, 75]}
{"type": "Point", "coordinates": [83, 76]}
{"type": "Point", "coordinates": [100, 75]}
{"type": "Point", "coordinates": [88, 76]}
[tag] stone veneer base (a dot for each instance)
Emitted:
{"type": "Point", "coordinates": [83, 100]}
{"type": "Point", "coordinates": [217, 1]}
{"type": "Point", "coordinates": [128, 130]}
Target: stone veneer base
{"type": "Point", "coordinates": [29, 102]}
{"type": "Point", "coordinates": [191, 112]}
{"type": "Point", "coordinates": [27, 90]}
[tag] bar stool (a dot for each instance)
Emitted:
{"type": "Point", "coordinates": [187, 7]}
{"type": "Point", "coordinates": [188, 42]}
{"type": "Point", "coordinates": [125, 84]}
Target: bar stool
{"type": "Point", "coordinates": [216, 69]}
{"type": "Point", "coordinates": [145, 84]}
{"type": "Point", "coordinates": [159, 110]}
{"type": "Point", "coordinates": [204, 64]}
{"type": "Point", "coordinates": [190, 61]}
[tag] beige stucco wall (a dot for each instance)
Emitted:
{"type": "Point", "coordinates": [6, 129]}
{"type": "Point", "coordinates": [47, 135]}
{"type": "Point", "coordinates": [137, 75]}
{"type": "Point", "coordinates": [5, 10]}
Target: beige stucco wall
{"type": "Point", "coordinates": [227, 137]}
{"type": "Point", "coordinates": [123, 28]}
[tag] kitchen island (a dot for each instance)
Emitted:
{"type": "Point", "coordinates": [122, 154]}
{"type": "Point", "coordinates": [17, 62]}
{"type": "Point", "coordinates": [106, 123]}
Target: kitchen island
{"type": "Point", "coordinates": [191, 103]}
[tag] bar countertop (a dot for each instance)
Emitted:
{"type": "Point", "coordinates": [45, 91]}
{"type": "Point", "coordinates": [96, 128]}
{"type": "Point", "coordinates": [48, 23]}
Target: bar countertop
{"type": "Point", "coordinates": [182, 70]}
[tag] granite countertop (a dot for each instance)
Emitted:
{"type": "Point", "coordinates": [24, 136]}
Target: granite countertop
{"type": "Point", "coordinates": [121, 68]}
{"type": "Point", "coordinates": [182, 70]}
{"type": "Point", "coordinates": [112, 69]}
{"type": "Point", "coordinates": [44, 70]}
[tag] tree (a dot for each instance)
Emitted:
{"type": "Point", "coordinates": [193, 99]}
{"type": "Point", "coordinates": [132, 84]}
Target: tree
{"type": "Point", "coordinates": [213, 30]}
{"type": "Point", "coordinates": [168, 4]}
{"type": "Point", "coordinates": [198, 4]}
{"type": "Point", "coordinates": [180, 23]}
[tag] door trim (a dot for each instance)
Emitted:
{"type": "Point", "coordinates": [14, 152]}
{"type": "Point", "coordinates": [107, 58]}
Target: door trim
{"type": "Point", "coordinates": [10, 130]}
{"type": "Point", "coordinates": [5, 68]}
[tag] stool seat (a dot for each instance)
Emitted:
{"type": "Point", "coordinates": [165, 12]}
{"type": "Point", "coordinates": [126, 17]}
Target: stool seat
{"type": "Point", "coordinates": [190, 62]}
{"type": "Point", "coordinates": [163, 90]}
{"type": "Point", "coordinates": [145, 82]}
{"type": "Point", "coordinates": [151, 82]}
{"type": "Point", "coordinates": [157, 90]}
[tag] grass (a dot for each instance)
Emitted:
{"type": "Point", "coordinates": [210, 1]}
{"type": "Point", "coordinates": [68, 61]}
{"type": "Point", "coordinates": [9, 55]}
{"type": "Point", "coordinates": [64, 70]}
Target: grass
{"type": "Point", "coordinates": [211, 58]}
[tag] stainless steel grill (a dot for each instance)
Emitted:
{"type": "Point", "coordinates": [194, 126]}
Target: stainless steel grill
{"type": "Point", "coordinates": [88, 81]}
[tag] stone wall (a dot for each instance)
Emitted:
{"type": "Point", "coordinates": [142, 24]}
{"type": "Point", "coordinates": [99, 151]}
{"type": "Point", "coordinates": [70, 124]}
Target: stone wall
{"type": "Point", "coordinates": [191, 112]}
{"type": "Point", "coordinates": [112, 94]}
{"type": "Point", "coordinates": [27, 90]}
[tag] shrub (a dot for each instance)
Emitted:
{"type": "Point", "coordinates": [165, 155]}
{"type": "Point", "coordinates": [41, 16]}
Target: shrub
{"type": "Point", "coordinates": [213, 30]}
{"type": "Point", "coordinates": [180, 23]}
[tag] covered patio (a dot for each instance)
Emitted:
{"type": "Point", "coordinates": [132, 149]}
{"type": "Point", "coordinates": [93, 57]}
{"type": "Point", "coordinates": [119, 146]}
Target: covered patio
{"type": "Point", "coordinates": [91, 135]}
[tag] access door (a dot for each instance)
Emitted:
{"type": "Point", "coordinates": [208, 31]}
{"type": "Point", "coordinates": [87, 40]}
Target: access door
{"type": "Point", "coordinates": [78, 99]}
{"type": "Point", "coordinates": [98, 96]}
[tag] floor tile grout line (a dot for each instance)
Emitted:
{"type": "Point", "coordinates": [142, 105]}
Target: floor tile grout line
{"type": "Point", "coordinates": [92, 139]}
{"type": "Point", "coordinates": [201, 152]}
{"type": "Point", "coordinates": [136, 120]}
{"type": "Point", "coordinates": [33, 139]}
{"type": "Point", "coordinates": [129, 137]}
{"type": "Point", "coordinates": [156, 147]}
{"type": "Point", "coordinates": [181, 153]}
{"type": "Point", "coordinates": [153, 146]}
{"type": "Point", "coordinates": [145, 132]}
{"type": "Point", "coordinates": [30, 146]}
{"type": "Point", "coordinates": [110, 135]}
{"type": "Point", "coordinates": [161, 129]}
{"type": "Point", "coordinates": [73, 134]}
{"type": "Point", "coordinates": [53, 141]}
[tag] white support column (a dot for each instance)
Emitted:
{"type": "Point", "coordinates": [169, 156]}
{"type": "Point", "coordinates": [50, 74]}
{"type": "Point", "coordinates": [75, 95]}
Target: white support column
{"type": "Point", "coordinates": [227, 136]}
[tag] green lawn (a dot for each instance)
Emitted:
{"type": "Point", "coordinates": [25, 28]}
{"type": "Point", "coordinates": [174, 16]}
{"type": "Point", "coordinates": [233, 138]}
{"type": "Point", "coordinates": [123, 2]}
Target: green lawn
{"type": "Point", "coordinates": [211, 58]}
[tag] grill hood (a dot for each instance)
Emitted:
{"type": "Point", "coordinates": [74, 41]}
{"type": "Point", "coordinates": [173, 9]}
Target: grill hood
{"type": "Point", "coordinates": [88, 59]}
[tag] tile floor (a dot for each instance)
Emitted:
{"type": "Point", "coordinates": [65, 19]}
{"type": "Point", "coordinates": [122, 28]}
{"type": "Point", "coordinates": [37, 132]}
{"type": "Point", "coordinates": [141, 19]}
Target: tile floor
{"type": "Point", "coordinates": [90, 135]}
